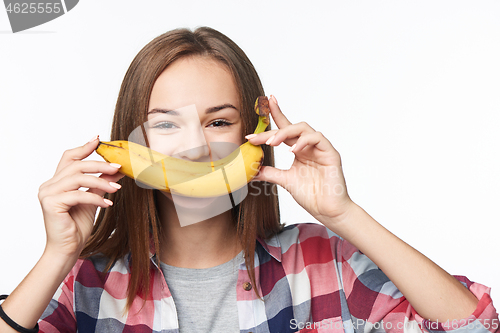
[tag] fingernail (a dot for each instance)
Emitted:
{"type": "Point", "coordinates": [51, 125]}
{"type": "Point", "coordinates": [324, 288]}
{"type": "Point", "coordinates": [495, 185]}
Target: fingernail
{"type": "Point", "coordinates": [115, 165]}
{"type": "Point", "coordinates": [94, 138]}
{"type": "Point", "coordinates": [274, 99]}
{"type": "Point", "coordinates": [292, 147]}
{"type": "Point", "coordinates": [115, 185]}
{"type": "Point", "coordinates": [250, 136]}
{"type": "Point", "coordinates": [109, 202]}
{"type": "Point", "coordinates": [268, 142]}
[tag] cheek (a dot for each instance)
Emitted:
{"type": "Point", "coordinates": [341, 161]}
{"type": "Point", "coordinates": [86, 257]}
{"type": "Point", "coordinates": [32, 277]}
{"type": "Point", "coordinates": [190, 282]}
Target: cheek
{"type": "Point", "coordinates": [222, 145]}
{"type": "Point", "coordinates": [232, 135]}
{"type": "Point", "coordinates": [237, 135]}
{"type": "Point", "coordinates": [161, 144]}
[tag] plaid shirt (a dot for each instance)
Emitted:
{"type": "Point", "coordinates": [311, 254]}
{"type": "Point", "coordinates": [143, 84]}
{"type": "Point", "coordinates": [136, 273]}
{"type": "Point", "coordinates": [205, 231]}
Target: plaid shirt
{"type": "Point", "coordinates": [311, 280]}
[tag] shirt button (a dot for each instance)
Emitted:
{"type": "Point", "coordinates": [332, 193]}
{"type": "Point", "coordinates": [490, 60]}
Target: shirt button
{"type": "Point", "coordinates": [247, 286]}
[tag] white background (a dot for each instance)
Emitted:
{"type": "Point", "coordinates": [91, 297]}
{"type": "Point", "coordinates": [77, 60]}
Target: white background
{"type": "Point", "coordinates": [407, 91]}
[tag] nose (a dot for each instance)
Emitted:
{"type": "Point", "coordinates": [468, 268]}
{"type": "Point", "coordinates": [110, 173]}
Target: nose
{"type": "Point", "coordinates": [193, 147]}
{"type": "Point", "coordinates": [200, 154]}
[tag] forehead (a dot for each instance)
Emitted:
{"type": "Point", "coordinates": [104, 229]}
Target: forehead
{"type": "Point", "coordinates": [194, 80]}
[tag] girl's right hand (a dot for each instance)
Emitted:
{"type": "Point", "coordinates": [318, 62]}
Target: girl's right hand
{"type": "Point", "coordinates": [69, 212]}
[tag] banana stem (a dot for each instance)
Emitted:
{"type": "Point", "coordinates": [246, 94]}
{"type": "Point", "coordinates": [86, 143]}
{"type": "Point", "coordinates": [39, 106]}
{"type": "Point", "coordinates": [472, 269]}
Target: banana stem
{"type": "Point", "coordinates": [262, 125]}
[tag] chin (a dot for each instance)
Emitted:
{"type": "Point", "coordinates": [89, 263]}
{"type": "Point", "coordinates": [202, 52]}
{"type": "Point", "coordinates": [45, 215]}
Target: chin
{"type": "Point", "coordinates": [190, 202]}
{"type": "Point", "coordinates": [192, 210]}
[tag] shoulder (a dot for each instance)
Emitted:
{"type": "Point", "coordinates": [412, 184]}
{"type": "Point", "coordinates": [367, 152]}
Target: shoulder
{"type": "Point", "coordinates": [306, 242]}
{"type": "Point", "coordinates": [95, 270]}
{"type": "Point", "coordinates": [306, 234]}
{"type": "Point", "coordinates": [313, 240]}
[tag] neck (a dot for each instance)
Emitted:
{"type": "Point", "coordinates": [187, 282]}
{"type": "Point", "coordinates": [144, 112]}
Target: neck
{"type": "Point", "coordinates": [203, 244]}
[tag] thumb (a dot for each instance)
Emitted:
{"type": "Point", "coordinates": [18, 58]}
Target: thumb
{"type": "Point", "coordinates": [272, 175]}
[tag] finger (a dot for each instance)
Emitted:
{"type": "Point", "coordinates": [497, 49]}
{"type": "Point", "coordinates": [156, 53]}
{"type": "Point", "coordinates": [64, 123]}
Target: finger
{"type": "Point", "coordinates": [279, 118]}
{"type": "Point", "coordinates": [79, 167]}
{"type": "Point", "coordinates": [100, 185]}
{"type": "Point", "coordinates": [315, 139]}
{"type": "Point", "coordinates": [62, 202]}
{"type": "Point", "coordinates": [113, 179]}
{"type": "Point", "coordinates": [78, 153]}
{"type": "Point", "coordinates": [261, 138]}
{"type": "Point", "coordinates": [272, 175]}
{"type": "Point", "coordinates": [288, 135]}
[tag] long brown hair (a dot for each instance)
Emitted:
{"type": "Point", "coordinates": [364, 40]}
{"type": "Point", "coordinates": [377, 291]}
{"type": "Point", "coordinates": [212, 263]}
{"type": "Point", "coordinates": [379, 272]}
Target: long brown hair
{"type": "Point", "coordinates": [132, 223]}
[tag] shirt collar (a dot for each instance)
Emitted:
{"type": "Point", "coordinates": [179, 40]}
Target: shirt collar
{"type": "Point", "coordinates": [272, 246]}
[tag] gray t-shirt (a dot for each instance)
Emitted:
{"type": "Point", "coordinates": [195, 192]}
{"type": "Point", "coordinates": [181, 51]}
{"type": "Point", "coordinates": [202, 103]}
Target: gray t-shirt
{"type": "Point", "coordinates": [205, 298]}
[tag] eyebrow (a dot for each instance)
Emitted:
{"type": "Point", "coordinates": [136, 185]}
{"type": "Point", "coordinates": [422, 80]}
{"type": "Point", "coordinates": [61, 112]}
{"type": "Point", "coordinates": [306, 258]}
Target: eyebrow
{"type": "Point", "coordinates": [207, 111]}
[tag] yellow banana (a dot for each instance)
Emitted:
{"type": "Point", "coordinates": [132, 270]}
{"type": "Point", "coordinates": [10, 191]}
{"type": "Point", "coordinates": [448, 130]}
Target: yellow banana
{"type": "Point", "coordinates": [187, 178]}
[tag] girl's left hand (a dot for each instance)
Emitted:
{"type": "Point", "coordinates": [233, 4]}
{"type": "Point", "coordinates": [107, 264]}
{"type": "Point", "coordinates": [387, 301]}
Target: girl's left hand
{"type": "Point", "coordinates": [315, 179]}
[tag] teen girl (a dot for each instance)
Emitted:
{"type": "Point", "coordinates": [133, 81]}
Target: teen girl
{"type": "Point", "coordinates": [136, 269]}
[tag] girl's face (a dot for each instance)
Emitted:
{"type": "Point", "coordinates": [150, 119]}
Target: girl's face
{"type": "Point", "coordinates": [194, 105]}
{"type": "Point", "coordinates": [194, 114]}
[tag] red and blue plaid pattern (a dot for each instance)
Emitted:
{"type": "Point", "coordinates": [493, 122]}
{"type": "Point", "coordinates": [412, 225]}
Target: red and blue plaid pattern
{"type": "Point", "coordinates": [311, 280]}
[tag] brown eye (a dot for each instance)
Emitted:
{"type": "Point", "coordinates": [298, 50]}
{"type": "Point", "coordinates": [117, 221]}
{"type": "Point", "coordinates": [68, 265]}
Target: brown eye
{"type": "Point", "coordinates": [220, 123]}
